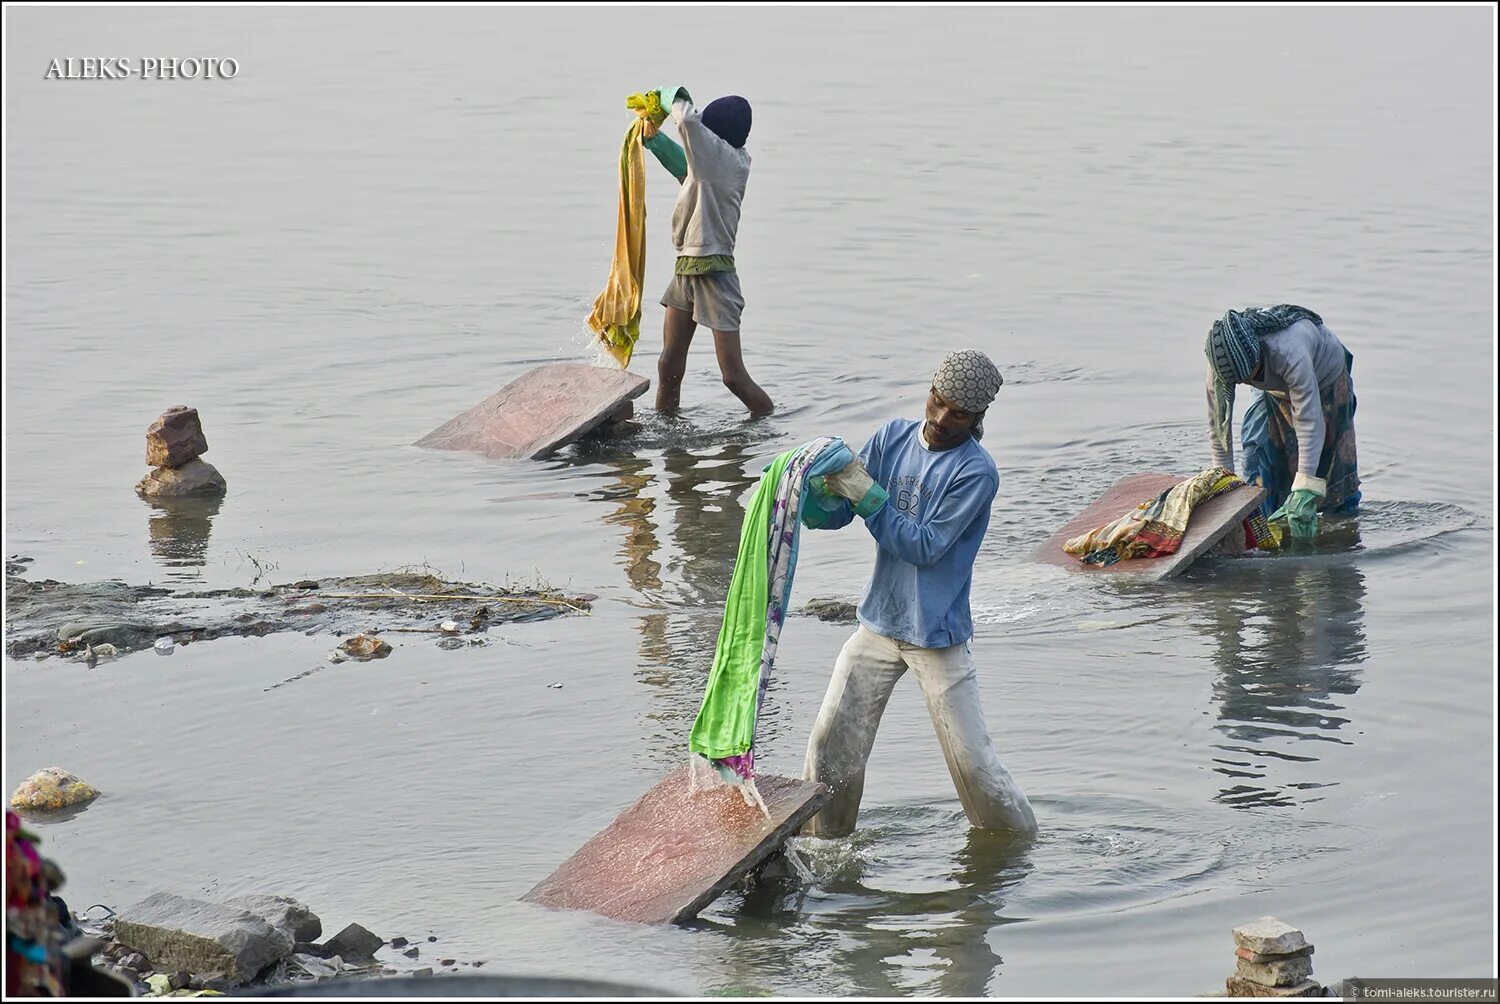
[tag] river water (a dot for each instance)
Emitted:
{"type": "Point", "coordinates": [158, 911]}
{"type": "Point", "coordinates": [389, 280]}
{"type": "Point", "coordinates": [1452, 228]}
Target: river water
{"type": "Point", "coordinates": [390, 213]}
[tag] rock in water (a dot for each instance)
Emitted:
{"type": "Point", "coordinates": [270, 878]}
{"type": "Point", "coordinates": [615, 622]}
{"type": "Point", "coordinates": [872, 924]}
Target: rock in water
{"type": "Point", "coordinates": [283, 913]}
{"type": "Point", "coordinates": [196, 477]}
{"type": "Point", "coordinates": [175, 438]}
{"type": "Point", "coordinates": [208, 939]}
{"type": "Point", "coordinates": [53, 788]}
{"type": "Point", "coordinates": [353, 942]}
{"type": "Point", "coordinates": [363, 646]}
{"type": "Point", "coordinates": [837, 611]}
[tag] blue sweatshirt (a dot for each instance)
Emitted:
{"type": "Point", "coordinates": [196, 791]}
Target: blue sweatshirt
{"type": "Point", "coordinates": [929, 534]}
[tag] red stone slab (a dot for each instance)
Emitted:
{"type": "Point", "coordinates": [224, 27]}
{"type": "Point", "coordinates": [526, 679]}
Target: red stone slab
{"type": "Point", "coordinates": [539, 412]}
{"type": "Point", "coordinates": [1211, 522]}
{"type": "Point", "coordinates": [675, 851]}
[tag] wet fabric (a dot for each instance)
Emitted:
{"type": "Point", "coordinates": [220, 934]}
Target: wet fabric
{"type": "Point", "coordinates": [1233, 349]}
{"type": "Point", "coordinates": [755, 608]}
{"type": "Point", "coordinates": [616, 317]}
{"type": "Point", "coordinates": [1269, 438]}
{"type": "Point", "coordinates": [1156, 527]}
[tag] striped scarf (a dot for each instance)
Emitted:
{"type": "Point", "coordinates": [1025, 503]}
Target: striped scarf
{"type": "Point", "coordinates": [1233, 350]}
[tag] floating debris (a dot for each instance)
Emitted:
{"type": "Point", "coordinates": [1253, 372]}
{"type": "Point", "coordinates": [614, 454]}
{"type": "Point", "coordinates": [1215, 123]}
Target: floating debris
{"type": "Point", "coordinates": [365, 647]}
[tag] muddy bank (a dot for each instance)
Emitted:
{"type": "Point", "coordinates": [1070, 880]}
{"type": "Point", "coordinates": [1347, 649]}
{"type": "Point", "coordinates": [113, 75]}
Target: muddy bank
{"type": "Point", "coordinates": [94, 620]}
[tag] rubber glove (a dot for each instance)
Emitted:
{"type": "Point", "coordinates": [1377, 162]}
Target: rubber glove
{"type": "Point", "coordinates": [819, 503]}
{"type": "Point", "coordinates": [855, 484]}
{"type": "Point", "coordinates": [1301, 507]}
{"type": "Point", "coordinates": [669, 95]}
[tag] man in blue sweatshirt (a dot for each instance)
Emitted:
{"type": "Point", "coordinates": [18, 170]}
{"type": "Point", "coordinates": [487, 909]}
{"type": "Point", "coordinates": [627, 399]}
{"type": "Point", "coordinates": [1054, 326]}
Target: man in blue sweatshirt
{"type": "Point", "coordinates": [924, 491]}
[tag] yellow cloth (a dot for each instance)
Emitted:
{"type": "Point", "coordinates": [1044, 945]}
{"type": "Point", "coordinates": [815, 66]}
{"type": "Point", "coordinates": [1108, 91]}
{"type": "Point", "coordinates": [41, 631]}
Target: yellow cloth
{"type": "Point", "coordinates": [616, 318]}
{"type": "Point", "coordinates": [647, 106]}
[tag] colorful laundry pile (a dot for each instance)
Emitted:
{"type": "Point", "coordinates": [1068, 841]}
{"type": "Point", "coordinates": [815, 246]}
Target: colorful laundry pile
{"type": "Point", "coordinates": [1156, 527]}
{"type": "Point", "coordinates": [33, 933]}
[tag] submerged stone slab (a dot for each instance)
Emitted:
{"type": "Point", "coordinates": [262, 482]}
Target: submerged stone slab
{"type": "Point", "coordinates": [1211, 523]}
{"type": "Point", "coordinates": [539, 412]}
{"type": "Point", "coordinates": [176, 932]}
{"type": "Point", "coordinates": [675, 851]}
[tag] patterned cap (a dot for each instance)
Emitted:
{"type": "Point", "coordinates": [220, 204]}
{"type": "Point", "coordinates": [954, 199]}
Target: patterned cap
{"type": "Point", "coordinates": [968, 379]}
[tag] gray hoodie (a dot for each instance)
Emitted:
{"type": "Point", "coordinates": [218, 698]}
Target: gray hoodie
{"type": "Point", "coordinates": [1300, 361]}
{"type": "Point", "coordinates": [708, 207]}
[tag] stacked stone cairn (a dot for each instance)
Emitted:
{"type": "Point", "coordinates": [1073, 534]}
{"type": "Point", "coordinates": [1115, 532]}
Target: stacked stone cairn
{"type": "Point", "coordinates": [1272, 959]}
{"type": "Point", "coordinates": [174, 444]}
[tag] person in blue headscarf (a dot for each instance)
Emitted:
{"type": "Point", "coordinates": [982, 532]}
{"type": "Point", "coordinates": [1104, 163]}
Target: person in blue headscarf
{"type": "Point", "coordinates": [1298, 433]}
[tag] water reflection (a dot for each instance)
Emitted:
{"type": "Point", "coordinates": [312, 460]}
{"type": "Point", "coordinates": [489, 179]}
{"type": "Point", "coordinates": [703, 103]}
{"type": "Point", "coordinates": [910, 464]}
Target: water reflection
{"type": "Point", "coordinates": [680, 509]}
{"type": "Point", "coordinates": [1289, 640]}
{"type": "Point", "coordinates": [179, 529]}
{"type": "Point", "coordinates": [929, 933]}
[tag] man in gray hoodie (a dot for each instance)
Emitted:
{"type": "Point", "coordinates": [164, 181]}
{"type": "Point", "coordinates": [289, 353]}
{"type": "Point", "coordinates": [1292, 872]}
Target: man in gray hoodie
{"type": "Point", "coordinates": [713, 166]}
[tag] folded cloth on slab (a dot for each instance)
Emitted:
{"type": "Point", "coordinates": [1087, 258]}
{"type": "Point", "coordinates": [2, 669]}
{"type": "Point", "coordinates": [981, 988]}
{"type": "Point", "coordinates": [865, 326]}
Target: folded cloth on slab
{"type": "Point", "coordinates": [1156, 527]}
{"type": "Point", "coordinates": [759, 592]}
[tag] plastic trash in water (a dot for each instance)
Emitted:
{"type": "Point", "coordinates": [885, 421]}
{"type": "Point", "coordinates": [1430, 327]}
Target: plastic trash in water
{"type": "Point", "coordinates": [164, 646]}
{"type": "Point", "coordinates": [450, 627]}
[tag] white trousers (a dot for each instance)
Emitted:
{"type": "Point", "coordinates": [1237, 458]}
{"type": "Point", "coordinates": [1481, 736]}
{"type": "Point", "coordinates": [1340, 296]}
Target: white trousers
{"type": "Point", "coordinates": [867, 670]}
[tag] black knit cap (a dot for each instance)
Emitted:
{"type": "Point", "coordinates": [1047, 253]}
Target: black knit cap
{"type": "Point", "coordinates": [729, 119]}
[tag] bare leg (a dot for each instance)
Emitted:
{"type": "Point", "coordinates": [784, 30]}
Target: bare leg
{"type": "Point", "coordinates": [737, 378]}
{"type": "Point", "coordinates": [676, 335]}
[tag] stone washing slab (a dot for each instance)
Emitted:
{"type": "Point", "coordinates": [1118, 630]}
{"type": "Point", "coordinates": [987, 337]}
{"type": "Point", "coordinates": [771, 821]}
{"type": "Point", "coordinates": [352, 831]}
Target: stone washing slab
{"type": "Point", "coordinates": [1211, 523]}
{"type": "Point", "coordinates": [539, 412]}
{"type": "Point", "coordinates": [675, 851]}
